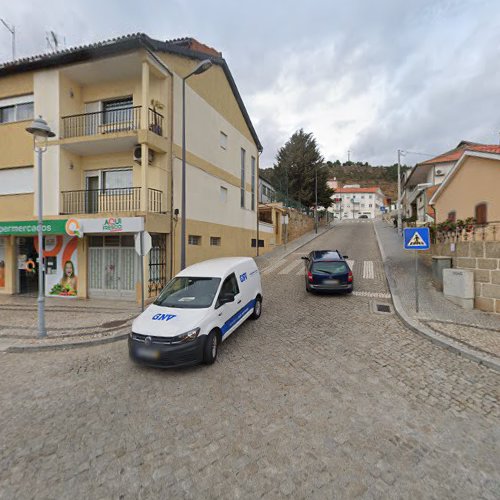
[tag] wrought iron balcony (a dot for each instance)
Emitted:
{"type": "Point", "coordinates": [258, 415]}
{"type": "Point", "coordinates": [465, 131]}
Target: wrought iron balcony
{"type": "Point", "coordinates": [127, 119]}
{"type": "Point", "coordinates": [93, 201]}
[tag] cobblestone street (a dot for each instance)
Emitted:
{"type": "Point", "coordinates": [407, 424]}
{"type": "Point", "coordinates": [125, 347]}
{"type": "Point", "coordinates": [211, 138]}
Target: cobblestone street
{"type": "Point", "coordinates": [320, 398]}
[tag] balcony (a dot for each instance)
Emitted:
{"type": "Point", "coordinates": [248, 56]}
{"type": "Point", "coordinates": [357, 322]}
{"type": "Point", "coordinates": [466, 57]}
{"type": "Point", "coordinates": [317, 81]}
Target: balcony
{"type": "Point", "coordinates": [127, 119]}
{"type": "Point", "coordinates": [93, 201]}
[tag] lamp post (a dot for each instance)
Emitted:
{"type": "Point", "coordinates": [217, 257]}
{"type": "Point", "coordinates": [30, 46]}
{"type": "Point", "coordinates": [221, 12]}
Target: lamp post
{"type": "Point", "coordinates": [41, 132]}
{"type": "Point", "coordinates": [200, 68]}
{"type": "Point", "coordinates": [399, 192]}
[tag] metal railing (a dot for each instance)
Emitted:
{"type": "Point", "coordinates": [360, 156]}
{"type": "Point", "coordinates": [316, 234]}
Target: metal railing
{"type": "Point", "coordinates": [106, 122]}
{"type": "Point", "coordinates": [92, 201]}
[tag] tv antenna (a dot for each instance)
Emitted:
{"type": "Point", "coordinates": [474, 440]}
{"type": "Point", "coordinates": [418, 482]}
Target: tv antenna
{"type": "Point", "coordinates": [12, 30]}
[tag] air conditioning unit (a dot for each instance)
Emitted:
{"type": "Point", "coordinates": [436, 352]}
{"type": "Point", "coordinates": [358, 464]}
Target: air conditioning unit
{"type": "Point", "coordinates": [138, 155]}
{"type": "Point", "coordinates": [439, 172]}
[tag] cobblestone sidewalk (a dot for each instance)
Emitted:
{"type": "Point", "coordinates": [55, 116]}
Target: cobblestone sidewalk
{"type": "Point", "coordinates": [475, 329]}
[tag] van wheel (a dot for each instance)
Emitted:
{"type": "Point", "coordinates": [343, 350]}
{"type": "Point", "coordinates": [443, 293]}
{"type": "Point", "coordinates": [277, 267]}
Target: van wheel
{"type": "Point", "coordinates": [257, 308]}
{"type": "Point", "coordinates": [211, 348]}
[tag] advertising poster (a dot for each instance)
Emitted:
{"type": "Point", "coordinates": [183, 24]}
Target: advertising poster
{"type": "Point", "coordinates": [61, 279]}
{"type": "Point", "coordinates": [2, 263]}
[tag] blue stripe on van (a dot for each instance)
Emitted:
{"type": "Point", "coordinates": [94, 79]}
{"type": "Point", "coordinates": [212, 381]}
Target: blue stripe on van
{"type": "Point", "coordinates": [236, 317]}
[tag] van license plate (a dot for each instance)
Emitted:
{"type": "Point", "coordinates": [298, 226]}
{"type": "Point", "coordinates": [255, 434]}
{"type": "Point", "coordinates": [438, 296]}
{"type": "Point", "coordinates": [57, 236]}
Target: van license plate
{"type": "Point", "coordinates": [147, 353]}
{"type": "Point", "coordinates": [331, 282]}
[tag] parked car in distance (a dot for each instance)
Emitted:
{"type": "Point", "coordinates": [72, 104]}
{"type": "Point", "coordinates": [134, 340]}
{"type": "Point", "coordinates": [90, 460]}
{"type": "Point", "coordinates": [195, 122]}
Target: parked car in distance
{"type": "Point", "coordinates": [197, 310]}
{"type": "Point", "coordinates": [327, 271]}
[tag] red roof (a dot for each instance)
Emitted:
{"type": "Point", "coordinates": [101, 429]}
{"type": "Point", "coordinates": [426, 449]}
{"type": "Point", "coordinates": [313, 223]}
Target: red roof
{"type": "Point", "coordinates": [455, 154]}
{"type": "Point", "coordinates": [358, 190]}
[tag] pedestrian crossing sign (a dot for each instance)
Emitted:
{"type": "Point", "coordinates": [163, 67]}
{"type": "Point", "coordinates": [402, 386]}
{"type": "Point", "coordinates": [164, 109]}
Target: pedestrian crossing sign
{"type": "Point", "coordinates": [417, 238]}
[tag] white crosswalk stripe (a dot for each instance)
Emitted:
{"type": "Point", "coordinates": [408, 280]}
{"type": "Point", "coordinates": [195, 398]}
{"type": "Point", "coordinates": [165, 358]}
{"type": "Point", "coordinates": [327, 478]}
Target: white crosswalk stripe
{"type": "Point", "coordinates": [273, 267]}
{"type": "Point", "coordinates": [288, 269]}
{"type": "Point", "coordinates": [378, 295]}
{"type": "Point", "coordinates": [368, 270]}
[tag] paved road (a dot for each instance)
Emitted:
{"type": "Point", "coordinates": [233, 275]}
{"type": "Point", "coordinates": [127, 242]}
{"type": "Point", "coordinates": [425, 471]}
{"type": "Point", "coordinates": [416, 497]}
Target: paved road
{"type": "Point", "coordinates": [320, 398]}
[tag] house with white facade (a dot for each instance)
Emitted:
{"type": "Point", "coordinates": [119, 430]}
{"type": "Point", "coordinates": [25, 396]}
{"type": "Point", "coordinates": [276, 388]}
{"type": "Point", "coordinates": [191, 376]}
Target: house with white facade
{"type": "Point", "coordinates": [353, 201]}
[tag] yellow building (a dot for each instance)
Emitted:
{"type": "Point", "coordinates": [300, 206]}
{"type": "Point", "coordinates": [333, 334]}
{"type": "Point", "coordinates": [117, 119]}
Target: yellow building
{"type": "Point", "coordinates": [114, 167]}
{"type": "Point", "coordinates": [471, 189]}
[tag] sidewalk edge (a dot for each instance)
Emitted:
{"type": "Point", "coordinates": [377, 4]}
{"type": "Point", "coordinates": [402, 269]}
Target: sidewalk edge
{"type": "Point", "coordinates": [426, 332]}
{"type": "Point", "coordinates": [70, 345]}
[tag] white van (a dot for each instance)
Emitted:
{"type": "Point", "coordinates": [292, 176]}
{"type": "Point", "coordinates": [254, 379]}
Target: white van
{"type": "Point", "coordinates": [196, 311]}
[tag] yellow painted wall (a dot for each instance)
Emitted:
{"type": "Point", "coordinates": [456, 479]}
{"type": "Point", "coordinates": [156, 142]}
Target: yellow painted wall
{"type": "Point", "coordinates": [211, 86]}
{"type": "Point", "coordinates": [476, 181]}
{"type": "Point", "coordinates": [16, 145]}
{"type": "Point", "coordinates": [16, 207]}
{"type": "Point", "coordinates": [111, 90]}
{"type": "Point", "coordinates": [15, 85]}
{"type": "Point", "coordinates": [70, 96]}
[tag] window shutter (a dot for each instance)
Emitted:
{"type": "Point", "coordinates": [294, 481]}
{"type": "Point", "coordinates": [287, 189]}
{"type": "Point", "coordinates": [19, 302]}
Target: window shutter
{"type": "Point", "coordinates": [481, 213]}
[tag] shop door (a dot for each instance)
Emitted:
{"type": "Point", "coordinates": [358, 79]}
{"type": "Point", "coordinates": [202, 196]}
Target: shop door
{"type": "Point", "coordinates": [113, 266]}
{"type": "Point", "coordinates": [27, 265]}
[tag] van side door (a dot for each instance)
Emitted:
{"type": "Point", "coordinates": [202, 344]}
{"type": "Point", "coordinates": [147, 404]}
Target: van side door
{"type": "Point", "coordinates": [227, 311]}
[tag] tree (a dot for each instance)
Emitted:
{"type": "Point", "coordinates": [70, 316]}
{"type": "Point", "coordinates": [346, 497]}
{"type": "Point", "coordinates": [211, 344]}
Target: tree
{"type": "Point", "coordinates": [297, 164]}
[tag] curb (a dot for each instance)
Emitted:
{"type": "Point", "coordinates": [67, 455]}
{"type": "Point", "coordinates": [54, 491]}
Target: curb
{"type": "Point", "coordinates": [286, 254]}
{"type": "Point", "coordinates": [426, 332]}
{"type": "Point", "coordinates": [70, 345]}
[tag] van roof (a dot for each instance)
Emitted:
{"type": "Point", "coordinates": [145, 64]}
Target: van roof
{"type": "Point", "coordinates": [214, 268]}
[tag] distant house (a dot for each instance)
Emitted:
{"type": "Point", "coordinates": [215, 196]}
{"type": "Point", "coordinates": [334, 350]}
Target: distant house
{"type": "Point", "coordinates": [351, 202]}
{"type": "Point", "coordinates": [418, 183]}
{"type": "Point", "coordinates": [267, 192]}
{"type": "Point", "coordinates": [471, 189]}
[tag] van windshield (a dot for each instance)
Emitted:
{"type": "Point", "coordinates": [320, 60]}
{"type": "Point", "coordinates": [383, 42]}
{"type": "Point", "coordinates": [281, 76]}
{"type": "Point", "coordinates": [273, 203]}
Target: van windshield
{"type": "Point", "coordinates": [189, 293]}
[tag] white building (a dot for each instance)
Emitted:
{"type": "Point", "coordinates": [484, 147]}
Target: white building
{"type": "Point", "coordinates": [351, 202]}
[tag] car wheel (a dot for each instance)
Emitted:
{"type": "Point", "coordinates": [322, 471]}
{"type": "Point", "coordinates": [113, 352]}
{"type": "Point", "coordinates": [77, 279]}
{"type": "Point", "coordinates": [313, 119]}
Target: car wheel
{"type": "Point", "coordinates": [211, 348]}
{"type": "Point", "coordinates": [257, 308]}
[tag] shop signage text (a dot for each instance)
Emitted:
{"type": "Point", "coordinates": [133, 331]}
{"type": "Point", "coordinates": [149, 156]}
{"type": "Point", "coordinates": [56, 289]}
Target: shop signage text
{"type": "Point", "coordinates": [31, 227]}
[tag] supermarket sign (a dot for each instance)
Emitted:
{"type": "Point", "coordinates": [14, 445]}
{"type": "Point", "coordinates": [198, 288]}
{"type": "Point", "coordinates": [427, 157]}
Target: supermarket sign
{"type": "Point", "coordinates": [25, 228]}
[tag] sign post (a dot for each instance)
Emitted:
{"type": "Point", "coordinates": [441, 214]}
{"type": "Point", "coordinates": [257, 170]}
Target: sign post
{"type": "Point", "coordinates": [417, 238]}
{"type": "Point", "coordinates": [143, 245]}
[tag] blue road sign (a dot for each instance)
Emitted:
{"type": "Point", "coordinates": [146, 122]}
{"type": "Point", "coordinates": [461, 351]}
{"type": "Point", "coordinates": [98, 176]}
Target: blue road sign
{"type": "Point", "coordinates": [417, 238]}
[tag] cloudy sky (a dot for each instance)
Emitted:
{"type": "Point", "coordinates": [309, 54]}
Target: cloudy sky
{"type": "Point", "coordinates": [362, 75]}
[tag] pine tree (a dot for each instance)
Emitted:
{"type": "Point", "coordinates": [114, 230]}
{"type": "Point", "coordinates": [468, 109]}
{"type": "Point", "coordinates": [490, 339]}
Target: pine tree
{"type": "Point", "coordinates": [297, 164]}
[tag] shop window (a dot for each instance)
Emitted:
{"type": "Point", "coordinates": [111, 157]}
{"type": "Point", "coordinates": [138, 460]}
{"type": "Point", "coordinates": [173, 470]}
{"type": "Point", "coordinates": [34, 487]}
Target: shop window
{"type": "Point", "coordinates": [481, 214]}
{"type": "Point", "coordinates": [215, 241]}
{"type": "Point", "coordinates": [194, 239]}
{"type": "Point", "coordinates": [157, 264]}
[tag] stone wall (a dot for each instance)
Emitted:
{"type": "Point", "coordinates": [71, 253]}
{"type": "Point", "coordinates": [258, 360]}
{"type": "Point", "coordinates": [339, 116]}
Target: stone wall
{"type": "Point", "coordinates": [483, 257]}
{"type": "Point", "coordinates": [298, 224]}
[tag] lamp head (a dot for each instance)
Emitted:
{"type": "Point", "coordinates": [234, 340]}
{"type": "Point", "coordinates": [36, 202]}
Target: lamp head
{"type": "Point", "coordinates": [202, 66]}
{"type": "Point", "coordinates": [40, 129]}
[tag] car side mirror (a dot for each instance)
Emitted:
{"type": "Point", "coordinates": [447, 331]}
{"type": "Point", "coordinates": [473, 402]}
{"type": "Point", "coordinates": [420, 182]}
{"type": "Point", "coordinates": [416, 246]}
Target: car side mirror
{"type": "Point", "coordinates": [305, 258]}
{"type": "Point", "coordinates": [225, 298]}
{"type": "Point", "coordinates": [345, 256]}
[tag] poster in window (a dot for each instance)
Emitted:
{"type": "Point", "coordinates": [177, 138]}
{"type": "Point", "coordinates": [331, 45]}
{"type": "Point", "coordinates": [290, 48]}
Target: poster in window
{"type": "Point", "coordinates": [61, 260]}
{"type": "Point", "coordinates": [2, 263]}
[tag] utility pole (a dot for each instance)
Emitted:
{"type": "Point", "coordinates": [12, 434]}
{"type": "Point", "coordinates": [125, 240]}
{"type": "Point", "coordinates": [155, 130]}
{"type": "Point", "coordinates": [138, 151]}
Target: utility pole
{"type": "Point", "coordinates": [12, 30]}
{"type": "Point", "coordinates": [316, 200]}
{"type": "Point", "coordinates": [399, 193]}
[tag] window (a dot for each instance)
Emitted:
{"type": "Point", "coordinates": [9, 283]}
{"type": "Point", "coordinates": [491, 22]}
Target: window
{"type": "Point", "coordinates": [370, 205]}
{"type": "Point", "coordinates": [117, 179]}
{"type": "Point", "coordinates": [481, 213]}
{"type": "Point", "coordinates": [16, 109]}
{"type": "Point", "coordinates": [261, 243]}
{"type": "Point", "coordinates": [223, 194]}
{"type": "Point", "coordinates": [215, 241]}
{"type": "Point", "coordinates": [223, 140]}
{"type": "Point", "coordinates": [188, 293]}
{"type": "Point", "coordinates": [452, 216]}
{"type": "Point", "coordinates": [194, 239]}
{"type": "Point", "coordinates": [117, 110]}
{"type": "Point", "coordinates": [242, 186]}
{"type": "Point", "coordinates": [252, 206]}
{"type": "Point", "coordinates": [230, 286]}
{"type": "Point", "coordinates": [16, 180]}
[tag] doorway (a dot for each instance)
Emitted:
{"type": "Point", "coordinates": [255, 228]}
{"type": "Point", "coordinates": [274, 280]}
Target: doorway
{"type": "Point", "coordinates": [27, 265]}
{"type": "Point", "coordinates": [92, 193]}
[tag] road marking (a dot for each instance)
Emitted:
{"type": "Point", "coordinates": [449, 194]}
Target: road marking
{"type": "Point", "coordinates": [368, 270]}
{"type": "Point", "coordinates": [301, 271]}
{"type": "Point", "coordinates": [377, 295]}
{"type": "Point", "coordinates": [273, 266]}
{"type": "Point", "coordinates": [291, 266]}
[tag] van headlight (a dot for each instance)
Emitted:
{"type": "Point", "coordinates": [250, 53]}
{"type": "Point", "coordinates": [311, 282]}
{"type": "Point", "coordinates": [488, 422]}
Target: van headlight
{"type": "Point", "coordinates": [188, 336]}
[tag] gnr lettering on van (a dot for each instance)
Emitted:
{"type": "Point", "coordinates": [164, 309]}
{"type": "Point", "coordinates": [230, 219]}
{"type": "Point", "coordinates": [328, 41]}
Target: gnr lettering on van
{"type": "Point", "coordinates": [163, 317]}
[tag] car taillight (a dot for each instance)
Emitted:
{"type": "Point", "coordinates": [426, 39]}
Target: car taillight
{"type": "Point", "coordinates": [349, 277]}
{"type": "Point", "coordinates": [310, 276]}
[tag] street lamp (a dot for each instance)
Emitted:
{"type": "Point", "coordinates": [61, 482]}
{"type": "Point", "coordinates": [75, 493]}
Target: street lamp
{"type": "Point", "coordinates": [41, 132]}
{"type": "Point", "coordinates": [200, 68]}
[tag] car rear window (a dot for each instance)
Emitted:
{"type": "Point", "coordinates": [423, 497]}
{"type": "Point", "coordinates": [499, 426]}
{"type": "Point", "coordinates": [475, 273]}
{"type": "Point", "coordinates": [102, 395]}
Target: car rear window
{"type": "Point", "coordinates": [329, 267]}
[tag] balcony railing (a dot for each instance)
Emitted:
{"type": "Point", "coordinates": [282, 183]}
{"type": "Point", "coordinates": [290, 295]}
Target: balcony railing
{"type": "Point", "coordinates": [93, 201]}
{"type": "Point", "coordinates": [107, 122]}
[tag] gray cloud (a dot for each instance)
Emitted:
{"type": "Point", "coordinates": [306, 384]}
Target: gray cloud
{"type": "Point", "coordinates": [362, 75]}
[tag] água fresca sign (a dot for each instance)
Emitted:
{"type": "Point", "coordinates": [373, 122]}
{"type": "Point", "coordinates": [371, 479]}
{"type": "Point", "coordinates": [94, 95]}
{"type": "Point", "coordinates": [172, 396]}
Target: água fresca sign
{"type": "Point", "coordinates": [31, 227]}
